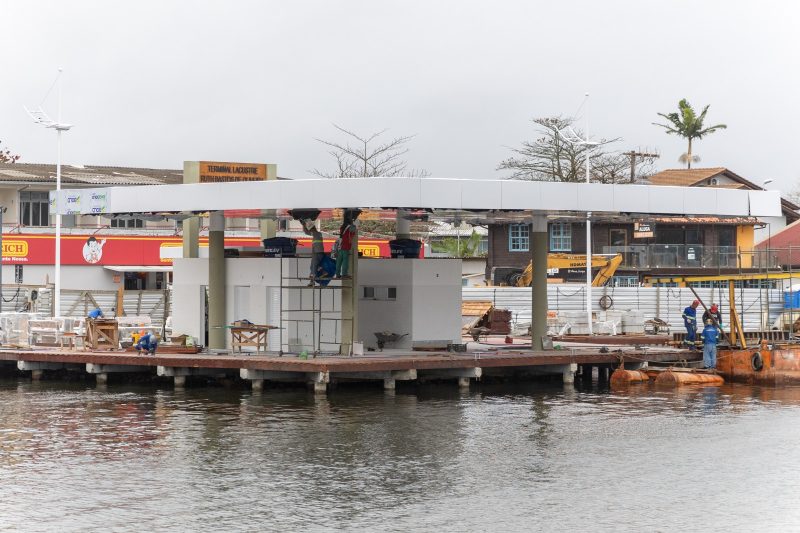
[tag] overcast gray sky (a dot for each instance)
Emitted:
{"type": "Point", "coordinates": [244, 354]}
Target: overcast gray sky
{"type": "Point", "coordinates": [153, 83]}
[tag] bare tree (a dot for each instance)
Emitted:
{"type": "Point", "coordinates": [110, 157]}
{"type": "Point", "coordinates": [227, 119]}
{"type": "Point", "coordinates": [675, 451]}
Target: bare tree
{"type": "Point", "coordinates": [551, 158]}
{"type": "Point", "coordinates": [368, 156]}
{"type": "Point", "coordinates": [6, 156]}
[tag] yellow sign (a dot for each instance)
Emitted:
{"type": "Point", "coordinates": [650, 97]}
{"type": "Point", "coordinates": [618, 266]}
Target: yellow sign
{"type": "Point", "coordinates": [215, 172]}
{"type": "Point", "coordinates": [369, 250]}
{"type": "Point", "coordinates": [13, 248]}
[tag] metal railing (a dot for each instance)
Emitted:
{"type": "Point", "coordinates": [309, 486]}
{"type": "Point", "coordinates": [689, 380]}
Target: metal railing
{"type": "Point", "coordinates": [648, 256]}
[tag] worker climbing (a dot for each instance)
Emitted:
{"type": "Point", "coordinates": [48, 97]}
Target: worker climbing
{"type": "Point", "coordinates": [690, 322]}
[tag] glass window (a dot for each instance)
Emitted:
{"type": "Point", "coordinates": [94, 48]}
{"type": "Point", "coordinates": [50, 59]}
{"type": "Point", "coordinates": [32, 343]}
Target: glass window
{"type": "Point", "coordinates": [34, 208]}
{"type": "Point", "coordinates": [127, 223]}
{"type": "Point", "coordinates": [561, 237]}
{"type": "Point", "coordinates": [518, 237]}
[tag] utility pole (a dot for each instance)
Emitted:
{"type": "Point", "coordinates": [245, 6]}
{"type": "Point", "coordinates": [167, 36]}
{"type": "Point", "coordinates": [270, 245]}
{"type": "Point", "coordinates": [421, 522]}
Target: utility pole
{"type": "Point", "coordinates": [633, 154]}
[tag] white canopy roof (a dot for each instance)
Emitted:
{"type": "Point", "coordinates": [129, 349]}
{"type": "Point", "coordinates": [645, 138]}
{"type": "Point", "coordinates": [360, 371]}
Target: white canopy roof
{"type": "Point", "coordinates": [423, 193]}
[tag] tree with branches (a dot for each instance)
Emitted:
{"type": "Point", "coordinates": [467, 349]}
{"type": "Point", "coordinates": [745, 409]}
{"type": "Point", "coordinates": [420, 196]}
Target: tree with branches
{"type": "Point", "coordinates": [689, 125]}
{"type": "Point", "coordinates": [552, 158]}
{"type": "Point", "coordinates": [360, 156]}
{"type": "Point", "coordinates": [6, 156]}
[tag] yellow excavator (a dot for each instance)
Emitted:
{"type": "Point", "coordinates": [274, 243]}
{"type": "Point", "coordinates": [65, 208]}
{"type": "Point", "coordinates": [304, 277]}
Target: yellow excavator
{"type": "Point", "coordinates": [557, 263]}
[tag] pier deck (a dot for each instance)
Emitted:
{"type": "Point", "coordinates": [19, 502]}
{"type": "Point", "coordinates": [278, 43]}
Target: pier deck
{"type": "Point", "coordinates": [387, 366]}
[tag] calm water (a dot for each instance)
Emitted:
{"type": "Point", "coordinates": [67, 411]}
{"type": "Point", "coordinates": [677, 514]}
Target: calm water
{"type": "Point", "coordinates": [500, 458]}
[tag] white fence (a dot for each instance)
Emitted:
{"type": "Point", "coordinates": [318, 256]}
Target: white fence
{"type": "Point", "coordinates": [758, 308]}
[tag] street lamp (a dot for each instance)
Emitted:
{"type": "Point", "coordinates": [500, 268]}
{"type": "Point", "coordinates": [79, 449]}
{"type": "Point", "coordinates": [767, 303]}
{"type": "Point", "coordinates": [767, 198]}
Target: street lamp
{"type": "Point", "coordinates": [766, 182]}
{"type": "Point", "coordinates": [40, 117]}
{"type": "Point", "coordinates": [575, 139]}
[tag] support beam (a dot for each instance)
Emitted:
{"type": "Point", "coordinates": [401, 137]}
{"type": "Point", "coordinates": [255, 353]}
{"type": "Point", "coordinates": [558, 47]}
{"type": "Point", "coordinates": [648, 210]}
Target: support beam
{"type": "Point", "coordinates": [402, 225]}
{"type": "Point", "coordinates": [216, 282]}
{"type": "Point", "coordinates": [38, 366]}
{"type": "Point", "coordinates": [398, 375]}
{"type": "Point", "coordinates": [388, 384]}
{"type": "Point", "coordinates": [350, 302]}
{"type": "Point", "coordinates": [173, 371]}
{"type": "Point", "coordinates": [474, 372]}
{"type": "Point", "coordinates": [180, 381]}
{"type": "Point", "coordinates": [95, 368]}
{"type": "Point", "coordinates": [257, 384]}
{"type": "Point", "coordinates": [191, 226]}
{"type": "Point", "coordinates": [268, 227]}
{"type": "Point", "coordinates": [568, 373]}
{"type": "Point", "coordinates": [539, 249]}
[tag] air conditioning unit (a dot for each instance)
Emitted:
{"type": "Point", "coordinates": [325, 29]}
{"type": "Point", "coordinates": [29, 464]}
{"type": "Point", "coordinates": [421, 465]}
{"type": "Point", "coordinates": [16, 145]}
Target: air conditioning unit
{"type": "Point", "coordinates": [713, 181]}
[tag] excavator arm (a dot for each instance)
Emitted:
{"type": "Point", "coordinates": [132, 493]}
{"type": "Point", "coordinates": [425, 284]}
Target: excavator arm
{"type": "Point", "coordinates": [608, 266]}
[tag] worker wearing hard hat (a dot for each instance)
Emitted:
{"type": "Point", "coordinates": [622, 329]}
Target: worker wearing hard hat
{"type": "Point", "coordinates": [713, 314]}
{"type": "Point", "coordinates": [690, 322]}
{"type": "Point", "coordinates": [710, 337]}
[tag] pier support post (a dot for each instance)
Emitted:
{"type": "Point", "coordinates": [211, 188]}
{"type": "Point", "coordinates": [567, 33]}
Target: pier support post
{"type": "Point", "coordinates": [320, 388]}
{"type": "Point", "coordinates": [36, 375]}
{"type": "Point", "coordinates": [101, 378]}
{"type": "Point", "coordinates": [216, 281]}
{"type": "Point", "coordinates": [569, 373]}
{"type": "Point", "coordinates": [463, 383]}
{"type": "Point", "coordinates": [539, 249]}
{"type": "Point", "coordinates": [402, 225]}
{"type": "Point", "coordinates": [257, 384]}
{"type": "Point", "coordinates": [388, 384]}
{"type": "Point", "coordinates": [350, 298]}
{"type": "Point", "coordinates": [180, 381]}
{"type": "Point", "coordinates": [191, 225]}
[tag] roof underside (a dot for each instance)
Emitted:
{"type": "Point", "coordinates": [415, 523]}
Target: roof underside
{"type": "Point", "coordinates": [473, 201]}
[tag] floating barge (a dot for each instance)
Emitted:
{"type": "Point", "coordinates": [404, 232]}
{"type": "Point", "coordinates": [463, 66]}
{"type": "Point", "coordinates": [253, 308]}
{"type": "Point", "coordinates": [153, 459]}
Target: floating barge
{"type": "Point", "coordinates": [388, 367]}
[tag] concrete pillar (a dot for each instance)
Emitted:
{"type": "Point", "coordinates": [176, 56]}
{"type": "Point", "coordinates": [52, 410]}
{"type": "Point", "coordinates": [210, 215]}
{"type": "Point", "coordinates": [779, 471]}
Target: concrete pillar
{"type": "Point", "coordinates": [402, 225]}
{"type": "Point", "coordinates": [539, 249]}
{"type": "Point", "coordinates": [216, 281]}
{"type": "Point", "coordinates": [257, 384]}
{"type": "Point", "coordinates": [320, 388]}
{"type": "Point", "coordinates": [463, 383]}
{"type": "Point", "coordinates": [36, 375]}
{"type": "Point", "coordinates": [569, 373]}
{"type": "Point", "coordinates": [388, 384]}
{"type": "Point", "coordinates": [101, 378]}
{"type": "Point", "coordinates": [268, 227]}
{"type": "Point", "coordinates": [191, 226]}
{"type": "Point", "coordinates": [350, 302]}
{"type": "Point", "coordinates": [180, 381]}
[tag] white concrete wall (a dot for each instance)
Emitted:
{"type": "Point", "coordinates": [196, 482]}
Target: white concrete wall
{"type": "Point", "coordinates": [428, 303]}
{"type": "Point", "coordinates": [385, 315]}
{"type": "Point", "coordinates": [437, 300]}
{"type": "Point", "coordinates": [89, 277]}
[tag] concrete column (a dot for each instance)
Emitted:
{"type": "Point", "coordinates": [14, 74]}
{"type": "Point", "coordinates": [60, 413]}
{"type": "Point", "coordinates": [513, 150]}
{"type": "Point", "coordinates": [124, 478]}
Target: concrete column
{"type": "Point", "coordinates": [101, 378]}
{"type": "Point", "coordinates": [180, 381]}
{"type": "Point", "coordinates": [388, 384]}
{"type": "Point", "coordinates": [402, 225]}
{"type": "Point", "coordinates": [216, 281]}
{"type": "Point", "coordinates": [191, 226]}
{"type": "Point", "coordinates": [539, 249]}
{"type": "Point", "coordinates": [463, 383]}
{"type": "Point", "coordinates": [320, 388]}
{"type": "Point", "coordinates": [257, 384]}
{"type": "Point", "coordinates": [569, 373]}
{"type": "Point", "coordinates": [268, 227]}
{"type": "Point", "coordinates": [350, 302]}
{"type": "Point", "coordinates": [36, 375]}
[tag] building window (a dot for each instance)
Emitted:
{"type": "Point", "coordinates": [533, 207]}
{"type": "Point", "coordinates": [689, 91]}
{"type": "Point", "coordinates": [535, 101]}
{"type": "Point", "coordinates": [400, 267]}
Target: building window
{"type": "Point", "coordinates": [379, 293]}
{"type": "Point", "coordinates": [127, 223]}
{"type": "Point", "coordinates": [561, 237]}
{"type": "Point", "coordinates": [518, 237]}
{"type": "Point", "coordinates": [34, 208]}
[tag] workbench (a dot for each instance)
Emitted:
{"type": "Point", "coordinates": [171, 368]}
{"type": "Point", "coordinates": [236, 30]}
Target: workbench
{"type": "Point", "coordinates": [250, 335]}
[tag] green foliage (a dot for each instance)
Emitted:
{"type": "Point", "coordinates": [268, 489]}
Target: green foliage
{"type": "Point", "coordinates": [689, 125]}
{"type": "Point", "coordinates": [455, 247]}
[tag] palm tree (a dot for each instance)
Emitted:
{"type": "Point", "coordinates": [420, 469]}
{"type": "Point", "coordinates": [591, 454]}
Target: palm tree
{"type": "Point", "coordinates": [688, 125]}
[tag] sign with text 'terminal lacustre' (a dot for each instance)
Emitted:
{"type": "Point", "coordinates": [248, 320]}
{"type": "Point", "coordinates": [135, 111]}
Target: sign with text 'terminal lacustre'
{"type": "Point", "coordinates": [216, 172]}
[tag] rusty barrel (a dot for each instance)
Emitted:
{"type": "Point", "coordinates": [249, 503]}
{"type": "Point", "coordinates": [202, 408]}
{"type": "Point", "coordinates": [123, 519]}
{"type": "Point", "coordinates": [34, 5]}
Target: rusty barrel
{"type": "Point", "coordinates": [675, 379]}
{"type": "Point", "coordinates": [621, 377]}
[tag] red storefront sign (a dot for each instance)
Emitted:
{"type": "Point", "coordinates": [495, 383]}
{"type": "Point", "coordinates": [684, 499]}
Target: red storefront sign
{"type": "Point", "coordinates": [133, 250]}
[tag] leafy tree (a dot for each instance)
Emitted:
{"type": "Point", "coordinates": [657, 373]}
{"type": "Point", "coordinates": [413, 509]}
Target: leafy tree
{"type": "Point", "coordinates": [368, 156]}
{"type": "Point", "coordinates": [455, 247]}
{"type": "Point", "coordinates": [551, 158]}
{"type": "Point", "coordinates": [6, 156]}
{"type": "Point", "coordinates": [689, 125]}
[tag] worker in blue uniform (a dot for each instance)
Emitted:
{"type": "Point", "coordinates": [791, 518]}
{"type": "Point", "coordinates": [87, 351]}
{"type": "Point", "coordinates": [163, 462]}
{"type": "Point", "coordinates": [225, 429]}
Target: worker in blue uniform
{"type": "Point", "coordinates": [710, 337]}
{"type": "Point", "coordinates": [147, 344]}
{"type": "Point", "coordinates": [690, 322]}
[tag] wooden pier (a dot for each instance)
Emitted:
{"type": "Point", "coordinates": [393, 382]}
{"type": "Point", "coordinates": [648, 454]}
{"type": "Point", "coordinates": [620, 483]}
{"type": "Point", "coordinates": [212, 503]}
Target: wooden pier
{"type": "Point", "coordinates": [388, 367]}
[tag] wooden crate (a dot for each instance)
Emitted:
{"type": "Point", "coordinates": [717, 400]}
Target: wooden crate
{"type": "Point", "coordinates": [102, 334]}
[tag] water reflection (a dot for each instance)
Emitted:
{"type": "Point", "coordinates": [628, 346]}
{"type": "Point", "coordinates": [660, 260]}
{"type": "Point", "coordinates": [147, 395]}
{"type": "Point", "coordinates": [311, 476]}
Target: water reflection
{"type": "Point", "coordinates": [511, 456]}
